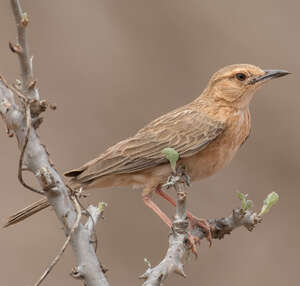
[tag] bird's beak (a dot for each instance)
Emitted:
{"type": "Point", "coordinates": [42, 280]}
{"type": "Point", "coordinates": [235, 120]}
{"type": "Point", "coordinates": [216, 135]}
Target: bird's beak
{"type": "Point", "coordinates": [269, 74]}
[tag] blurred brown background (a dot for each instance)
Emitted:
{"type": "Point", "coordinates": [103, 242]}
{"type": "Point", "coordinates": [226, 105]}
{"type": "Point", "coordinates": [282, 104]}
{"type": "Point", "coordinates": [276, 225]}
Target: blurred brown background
{"type": "Point", "coordinates": [111, 67]}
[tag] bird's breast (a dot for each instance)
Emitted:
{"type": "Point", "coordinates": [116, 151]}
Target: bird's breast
{"type": "Point", "coordinates": [221, 151]}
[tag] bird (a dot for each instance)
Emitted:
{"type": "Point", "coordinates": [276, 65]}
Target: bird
{"type": "Point", "coordinates": [206, 133]}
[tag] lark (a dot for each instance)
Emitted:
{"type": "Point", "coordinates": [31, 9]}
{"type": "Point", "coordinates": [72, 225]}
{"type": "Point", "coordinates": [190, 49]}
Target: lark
{"type": "Point", "coordinates": [207, 133]}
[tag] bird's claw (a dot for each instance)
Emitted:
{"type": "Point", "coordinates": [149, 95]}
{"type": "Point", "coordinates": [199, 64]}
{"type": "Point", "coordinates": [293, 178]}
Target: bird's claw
{"type": "Point", "coordinates": [193, 242]}
{"type": "Point", "coordinates": [204, 225]}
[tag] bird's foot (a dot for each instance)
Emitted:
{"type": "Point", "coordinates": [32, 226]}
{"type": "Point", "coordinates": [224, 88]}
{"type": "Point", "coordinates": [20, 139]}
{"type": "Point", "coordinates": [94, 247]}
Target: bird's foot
{"type": "Point", "coordinates": [203, 224]}
{"type": "Point", "coordinates": [193, 242]}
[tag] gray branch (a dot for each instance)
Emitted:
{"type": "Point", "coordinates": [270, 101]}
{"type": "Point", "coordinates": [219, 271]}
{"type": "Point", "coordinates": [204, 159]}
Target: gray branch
{"type": "Point", "coordinates": [37, 161]}
{"type": "Point", "coordinates": [22, 50]}
{"type": "Point", "coordinates": [179, 244]}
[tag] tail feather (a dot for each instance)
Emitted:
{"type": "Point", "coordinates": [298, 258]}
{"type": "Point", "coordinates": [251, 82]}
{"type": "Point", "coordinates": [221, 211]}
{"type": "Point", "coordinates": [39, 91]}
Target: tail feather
{"type": "Point", "coordinates": [37, 206]}
{"type": "Point", "coordinates": [26, 212]}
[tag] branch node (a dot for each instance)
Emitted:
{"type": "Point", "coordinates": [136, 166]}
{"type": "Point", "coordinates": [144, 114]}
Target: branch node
{"type": "Point", "coordinates": [32, 84]}
{"type": "Point", "coordinates": [94, 214]}
{"type": "Point", "coordinates": [24, 20]}
{"type": "Point", "coordinates": [37, 107]}
{"type": "Point", "coordinates": [53, 106]}
{"type": "Point", "coordinates": [103, 268]}
{"type": "Point", "coordinates": [77, 273]}
{"type": "Point", "coordinates": [5, 106]}
{"type": "Point", "coordinates": [15, 48]}
{"type": "Point", "coordinates": [18, 84]}
{"type": "Point", "coordinates": [180, 225]}
{"type": "Point", "coordinates": [179, 270]}
{"type": "Point", "coordinates": [253, 221]}
{"type": "Point", "coordinates": [146, 274]}
{"type": "Point", "coordinates": [47, 179]}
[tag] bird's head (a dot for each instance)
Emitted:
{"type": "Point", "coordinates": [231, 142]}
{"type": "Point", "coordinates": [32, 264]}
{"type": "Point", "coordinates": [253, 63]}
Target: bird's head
{"type": "Point", "coordinates": [236, 84]}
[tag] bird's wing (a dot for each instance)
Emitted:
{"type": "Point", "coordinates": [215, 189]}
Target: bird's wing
{"type": "Point", "coordinates": [186, 130]}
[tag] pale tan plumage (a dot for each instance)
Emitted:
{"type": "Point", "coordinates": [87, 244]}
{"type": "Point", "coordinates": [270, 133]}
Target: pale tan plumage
{"type": "Point", "coordinates": [185, 129]}
{"type": "Point", "coordinates": [206, 133]}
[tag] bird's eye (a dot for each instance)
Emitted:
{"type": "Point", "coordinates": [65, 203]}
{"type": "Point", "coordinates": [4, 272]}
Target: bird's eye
{"type": "Point", "coordinates": [241, 76]}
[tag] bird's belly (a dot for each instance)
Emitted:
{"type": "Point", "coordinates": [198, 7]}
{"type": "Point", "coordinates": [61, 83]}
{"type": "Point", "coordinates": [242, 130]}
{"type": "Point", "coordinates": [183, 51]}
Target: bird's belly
{"type": "Point", "coordinates": [207, 163]}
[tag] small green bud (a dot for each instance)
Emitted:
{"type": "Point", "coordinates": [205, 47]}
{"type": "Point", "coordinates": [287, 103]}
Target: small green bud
{"type": "Point", "coordinates": [101, 206]}
{"type": "Point", "coordinates": [271, 200]}
{"type": "Point", "coordinates": [172, 155]}
{"type": "Point", "coordinates": [147, 262]}
{"type": "Point", "coordinates": [246, 204]}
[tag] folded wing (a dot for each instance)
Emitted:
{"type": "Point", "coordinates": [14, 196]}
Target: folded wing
{"type": "Point", "coordinates": [186, 130]}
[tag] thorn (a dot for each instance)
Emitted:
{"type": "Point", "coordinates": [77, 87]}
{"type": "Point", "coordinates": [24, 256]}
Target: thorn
{"type": "Point", "coordinates": [37, 122]}
{"type": "Point", "coordinates": [9, 133]}
{"type": "Point", "coordinates": [53, 106]}
{"type": "Point", "coordinates": [161, 277]}
{"type": "Point", "coordinates": [32, 84]}
{"type": "Point", "coordinates": [144, 276]}
{"type": "Point", "coordinates": [43, 105]}
{"type": "Point", "coordinates": [46, 178]}
{"type": "Point", "coordinates": [103, 268]}
{"type": "Point", "coordinates": [179, 271]}
{"type": "Point", "coordinates": [147, 262]}
{"type": "Point", "coordinates": [15, 48]}
{"type": "Point", "coordinates": [37, 107]}
{"type": "Point", "coordinates": [75, 273]}
{"type": "Point", "coordinates": [18, 84]}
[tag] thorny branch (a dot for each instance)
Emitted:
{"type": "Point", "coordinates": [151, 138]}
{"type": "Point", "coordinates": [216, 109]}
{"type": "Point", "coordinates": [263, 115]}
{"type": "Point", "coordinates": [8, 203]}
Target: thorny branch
{"type": "Point", "coordinates": [178, 240]}
{"type": "Point", "coordinates": [35, 158]}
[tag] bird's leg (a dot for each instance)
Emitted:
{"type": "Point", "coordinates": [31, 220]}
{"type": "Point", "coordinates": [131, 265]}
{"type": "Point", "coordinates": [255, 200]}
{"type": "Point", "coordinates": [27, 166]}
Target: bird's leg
{"type": "Point", "coordinates": [194, 221]}
{"type": "Point", "coordinates": [148, 202]}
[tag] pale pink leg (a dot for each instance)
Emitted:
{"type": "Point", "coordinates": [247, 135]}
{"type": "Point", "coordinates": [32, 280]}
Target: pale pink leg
{"type": "Point", "coordinates": [147, 200]}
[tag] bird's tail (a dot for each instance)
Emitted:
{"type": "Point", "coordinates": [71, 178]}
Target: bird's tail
{"type": "Point", "coordinates": [36, 207]}
{"type": "Point", "coordinates": [27, 212]}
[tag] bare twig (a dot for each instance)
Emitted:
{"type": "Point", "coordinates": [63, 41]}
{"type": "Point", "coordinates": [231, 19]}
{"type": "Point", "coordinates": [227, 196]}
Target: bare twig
{"type": "Point", "coordinates": [22, 50]}
{"type": "Point", "coordinates": [62, 250]}
{"type": "Point", "coordinates": [222, 226]}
